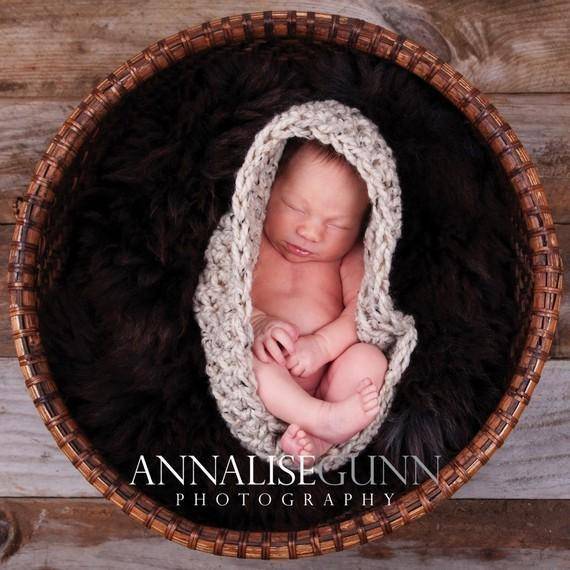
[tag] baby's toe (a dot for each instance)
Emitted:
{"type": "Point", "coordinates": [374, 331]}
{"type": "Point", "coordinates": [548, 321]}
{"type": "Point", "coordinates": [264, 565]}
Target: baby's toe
{"type": "Point", "coordinates": [371, 406]}
{"type": "Point", "coordinates": [364, 385]}
{"type": "Point", "coordinates": [370, 397]}
{"type": "Point", "coordinates": [368, 393]}
{"type": "Point", "coordinates": [292, 431]}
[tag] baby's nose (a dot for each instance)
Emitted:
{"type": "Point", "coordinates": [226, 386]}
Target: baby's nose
{"type": "Point", "coordinates": [310, 232]}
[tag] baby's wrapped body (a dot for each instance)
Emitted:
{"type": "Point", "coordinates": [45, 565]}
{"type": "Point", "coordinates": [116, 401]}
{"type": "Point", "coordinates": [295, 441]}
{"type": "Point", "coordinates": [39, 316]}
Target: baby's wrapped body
{"type": "Point", "coordinates": [311, 370]}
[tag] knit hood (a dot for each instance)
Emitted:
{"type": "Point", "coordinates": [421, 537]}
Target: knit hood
{"type": "Point", "coordinates": [222, 301]}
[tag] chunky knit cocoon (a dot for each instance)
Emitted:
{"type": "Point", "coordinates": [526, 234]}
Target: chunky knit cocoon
{"type": "Point", "coordinates": [222, 303]}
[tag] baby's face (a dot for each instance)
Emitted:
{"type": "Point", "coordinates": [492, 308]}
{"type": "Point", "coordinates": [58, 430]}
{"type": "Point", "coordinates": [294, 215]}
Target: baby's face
{"type": "Point", "coordinates": [317, 206]}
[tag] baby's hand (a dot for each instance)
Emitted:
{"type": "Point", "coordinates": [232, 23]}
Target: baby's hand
{"type": "Point", "coordinates": [309, 355]}
{"type": "Point", "coordinates": [267, 332]}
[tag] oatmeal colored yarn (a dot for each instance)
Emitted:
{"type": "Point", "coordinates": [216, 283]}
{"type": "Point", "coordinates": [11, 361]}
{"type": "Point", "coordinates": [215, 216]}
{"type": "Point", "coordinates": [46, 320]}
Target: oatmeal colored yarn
{"type": "Point", "coordinates": [222, 301]}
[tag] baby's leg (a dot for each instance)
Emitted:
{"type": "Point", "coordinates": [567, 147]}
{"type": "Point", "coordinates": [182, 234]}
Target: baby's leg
{"type": "Point", "coordinates": [342, 379]}
{"type": "Point", "coordinates": [285, 399]}
{"type": "Point", "coordinates": [282, 395]}
{"type": "Point", "coordinates": [360, 360]}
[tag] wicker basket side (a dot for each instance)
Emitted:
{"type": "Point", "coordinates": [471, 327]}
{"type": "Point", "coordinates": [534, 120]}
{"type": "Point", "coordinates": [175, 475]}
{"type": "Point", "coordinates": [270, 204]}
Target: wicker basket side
{"type": "Point", "coordinates": [34, 260]}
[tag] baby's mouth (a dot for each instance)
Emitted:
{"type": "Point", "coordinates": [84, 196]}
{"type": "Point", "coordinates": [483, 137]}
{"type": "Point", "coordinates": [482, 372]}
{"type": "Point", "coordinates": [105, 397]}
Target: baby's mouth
{"type": "Point", "coordinates": [297, 250]}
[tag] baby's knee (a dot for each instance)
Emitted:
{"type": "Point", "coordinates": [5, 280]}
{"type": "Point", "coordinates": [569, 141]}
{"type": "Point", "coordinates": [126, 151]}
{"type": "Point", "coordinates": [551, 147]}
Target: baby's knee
{"type": "Point", "coordinates": [368, 353]}
{"type": "Point", "coordinates": [370, 358]}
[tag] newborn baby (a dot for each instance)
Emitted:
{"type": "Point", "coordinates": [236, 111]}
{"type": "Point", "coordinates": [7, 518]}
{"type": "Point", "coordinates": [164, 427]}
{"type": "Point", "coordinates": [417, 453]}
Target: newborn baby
{"type": "Point", "coordinates": [311, 370]}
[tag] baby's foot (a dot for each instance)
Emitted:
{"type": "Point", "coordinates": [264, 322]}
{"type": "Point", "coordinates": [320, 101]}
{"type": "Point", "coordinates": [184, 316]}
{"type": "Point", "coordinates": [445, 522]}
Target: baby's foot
{"type": "Point", "coordinates": [297, 442]}
{"type": "Point", "coordinates": [339, 421]}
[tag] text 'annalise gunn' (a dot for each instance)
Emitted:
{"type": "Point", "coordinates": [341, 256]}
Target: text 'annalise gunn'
{"type": "Point", "coordinates": [224, 472]}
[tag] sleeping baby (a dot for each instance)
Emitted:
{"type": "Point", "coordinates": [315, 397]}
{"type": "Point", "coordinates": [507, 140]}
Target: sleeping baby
{"type": "Point", "coordinates": [311, 370]}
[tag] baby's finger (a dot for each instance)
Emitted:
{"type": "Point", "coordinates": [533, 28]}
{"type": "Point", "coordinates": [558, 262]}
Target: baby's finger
{"type": "Point", "coordinates": [259, 351]}
{"type": "Point", "coordinates": [298, 370]}
{"type": "Point", "coordinates": [284, 338]}
{"type": "Point", "coordinates": [291, 329]}
{"type": "Point", "coordinates": [275, 351]}
{"type": "Point", "coordinates": [291, 361]}
{"type": "Point", "coordinates": [295, 332]}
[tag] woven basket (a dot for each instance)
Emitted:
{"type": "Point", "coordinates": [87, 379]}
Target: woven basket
{"type": "Point", "coordinates": [34, 263]}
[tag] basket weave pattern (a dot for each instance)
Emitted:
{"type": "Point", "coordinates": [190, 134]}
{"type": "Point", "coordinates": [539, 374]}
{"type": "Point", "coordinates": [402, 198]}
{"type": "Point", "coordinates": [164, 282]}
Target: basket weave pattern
{"type": "Point", "coordinates": [540, 280]}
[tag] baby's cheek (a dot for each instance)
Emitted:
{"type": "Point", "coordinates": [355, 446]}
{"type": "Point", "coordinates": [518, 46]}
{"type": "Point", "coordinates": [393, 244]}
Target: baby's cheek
{"type": "Point", "coordinates": [273, 218]}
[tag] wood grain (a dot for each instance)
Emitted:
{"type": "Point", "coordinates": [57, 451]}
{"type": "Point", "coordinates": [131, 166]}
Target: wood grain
{"type": "Point", "coordinates": [542, 122]}
{"type": "Point", "coordinates": [65, 48]}
{"type": "Point", "coordinates": [458, 534]}
{"type": "Point", "coordinates": [533, 463]}
{"type": "Point", "coordinates": [27, 127]}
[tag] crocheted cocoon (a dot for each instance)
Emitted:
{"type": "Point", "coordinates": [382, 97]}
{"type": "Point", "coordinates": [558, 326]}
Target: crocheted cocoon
{"type": "Point", "coordinates": [222, 301]}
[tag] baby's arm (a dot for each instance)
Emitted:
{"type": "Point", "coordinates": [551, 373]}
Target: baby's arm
{"type": "Point", "coordinates": [338, 335]}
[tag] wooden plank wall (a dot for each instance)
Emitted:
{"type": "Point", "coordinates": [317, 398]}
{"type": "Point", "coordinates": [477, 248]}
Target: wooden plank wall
{"type": "Point", "coordinates": [514, 512]}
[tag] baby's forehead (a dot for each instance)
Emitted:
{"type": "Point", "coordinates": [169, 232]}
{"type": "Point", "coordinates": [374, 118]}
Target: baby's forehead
{"type": "Point", "coordinates": [310, 187]}
{"type": "Point", "coordinates": [308, 155]}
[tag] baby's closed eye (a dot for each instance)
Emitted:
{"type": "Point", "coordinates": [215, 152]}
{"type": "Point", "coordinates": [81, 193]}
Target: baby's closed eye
{"type": "Point", "coordinates": [336, 226]}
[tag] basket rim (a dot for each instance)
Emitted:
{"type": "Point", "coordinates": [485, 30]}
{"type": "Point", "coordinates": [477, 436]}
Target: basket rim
{"type": "Point", "coordinates": [371, 523]}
